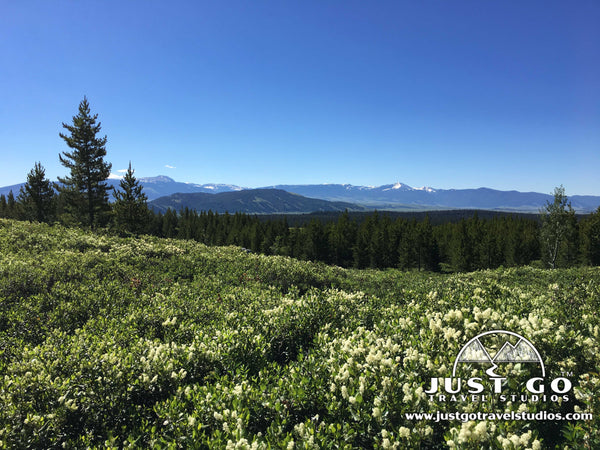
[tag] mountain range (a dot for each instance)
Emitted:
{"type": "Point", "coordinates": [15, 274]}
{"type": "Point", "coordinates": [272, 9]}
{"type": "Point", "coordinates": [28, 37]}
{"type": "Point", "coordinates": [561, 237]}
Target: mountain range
{"type": "Point", "coordinates": [396, 196]}
{"type": "Point", "coordinates": [154, 187]}
{"type": "Point", "coordinates": [401, 196]}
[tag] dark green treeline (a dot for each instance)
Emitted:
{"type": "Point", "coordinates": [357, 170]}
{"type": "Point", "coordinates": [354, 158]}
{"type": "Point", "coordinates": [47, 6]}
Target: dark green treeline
{"type": "Point", "coordinates": [380, 242]}
{"type": "Point", "coordinates": [376, 241]}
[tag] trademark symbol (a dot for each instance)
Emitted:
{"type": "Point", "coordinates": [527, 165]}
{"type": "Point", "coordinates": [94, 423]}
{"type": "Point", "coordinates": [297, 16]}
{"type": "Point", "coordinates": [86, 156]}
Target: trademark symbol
{"type": "Point", "coordinates": [566, 374]}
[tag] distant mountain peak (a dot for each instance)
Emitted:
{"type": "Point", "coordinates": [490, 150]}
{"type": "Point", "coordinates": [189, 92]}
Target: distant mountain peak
{"type": "Point", "coordinates": [157, 179]}
{"type": "Point", "coordinates": [397, 186]}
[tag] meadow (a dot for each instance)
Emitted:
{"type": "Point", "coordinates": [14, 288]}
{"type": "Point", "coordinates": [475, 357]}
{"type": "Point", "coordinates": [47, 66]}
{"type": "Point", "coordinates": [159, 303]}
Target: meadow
{"type": "Point", "coordinates": [122, 342]}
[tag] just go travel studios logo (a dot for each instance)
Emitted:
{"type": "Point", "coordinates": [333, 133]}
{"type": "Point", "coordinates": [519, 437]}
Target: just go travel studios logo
{"type": "Point", "coordinates": [499, 366]}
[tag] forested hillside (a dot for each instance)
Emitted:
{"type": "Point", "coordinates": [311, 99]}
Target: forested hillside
{"type": "Point", "coordinates": [379, 241]}
{"type": "Point", "coordinates": [249, 201]}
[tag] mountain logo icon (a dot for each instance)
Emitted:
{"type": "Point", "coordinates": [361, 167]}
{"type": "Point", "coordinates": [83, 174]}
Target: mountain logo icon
{"type": "Point", "coordinates": [498, 346]}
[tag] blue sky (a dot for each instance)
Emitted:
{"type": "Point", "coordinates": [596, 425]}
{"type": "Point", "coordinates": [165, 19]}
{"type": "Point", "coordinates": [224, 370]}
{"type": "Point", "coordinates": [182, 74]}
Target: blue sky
{"type": "Point", "coordinates": [461, 94]}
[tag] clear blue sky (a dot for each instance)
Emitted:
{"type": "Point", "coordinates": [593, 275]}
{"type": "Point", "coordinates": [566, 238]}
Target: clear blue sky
{"type": "Point", "coordinates": [448, 94]}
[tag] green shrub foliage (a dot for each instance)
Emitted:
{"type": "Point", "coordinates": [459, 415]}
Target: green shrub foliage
{"type": "Point", "coordinates": [146, 342]}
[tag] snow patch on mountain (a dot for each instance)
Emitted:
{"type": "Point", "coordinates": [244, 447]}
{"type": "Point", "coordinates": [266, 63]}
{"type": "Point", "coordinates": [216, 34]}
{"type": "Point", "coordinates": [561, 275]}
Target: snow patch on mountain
{"type": "Point", "coordinates": [157, 179]}
{"type": "Point", "coordinates": [396, 186]}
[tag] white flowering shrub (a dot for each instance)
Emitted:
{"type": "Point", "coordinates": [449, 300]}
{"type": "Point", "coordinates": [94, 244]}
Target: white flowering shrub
{"type": "Point", "coordinates": [157, 343]}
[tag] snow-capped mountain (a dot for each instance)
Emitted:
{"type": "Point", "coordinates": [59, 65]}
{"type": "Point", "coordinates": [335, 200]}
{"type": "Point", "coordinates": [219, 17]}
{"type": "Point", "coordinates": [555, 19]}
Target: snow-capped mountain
{"type": "Point", "coordinates": [397, 187]}
{"type": "Point", "coordinates": [154, 187]}
{"type": "Point", "coordinates": [160, 186]}
{"type": "Point", "coordinates": [401, 196]}
{"type": "Point", "coordinates": [390, 196]}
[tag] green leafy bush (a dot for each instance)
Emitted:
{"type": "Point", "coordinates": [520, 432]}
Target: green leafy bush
{"type": "Point", "coordinates": [152, 343]}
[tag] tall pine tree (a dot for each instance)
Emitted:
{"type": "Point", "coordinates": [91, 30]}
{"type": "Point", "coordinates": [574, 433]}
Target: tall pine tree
{"type": "Point", "coordinates": [11, 211]}
{"type": "Point", "coordinates": [428, 248]}
{"type": "Point", "coordinates": [590, 242]}
{"type": "Point", "coordinates": [462, 256]}
{"type": "Point", "coordinates": [2, 205]}
{"type": "Point", "coordinates": [85, 190]}
{"type": "Point", "coordinates": [37, 196]}
{"type": "Point", "coordinates": [130, 207]}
